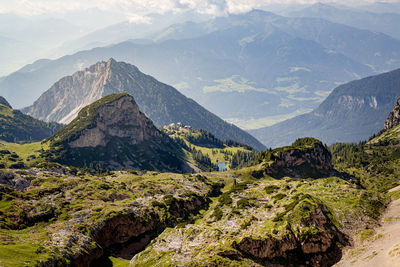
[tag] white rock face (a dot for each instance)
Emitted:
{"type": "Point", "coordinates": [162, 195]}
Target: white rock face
{"type": "Point", "coordinates": [63, 101]}
{"type": "Point", "coordinates": [121, 119]}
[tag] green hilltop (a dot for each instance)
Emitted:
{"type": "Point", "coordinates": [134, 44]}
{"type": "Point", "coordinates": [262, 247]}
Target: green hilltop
{"type": "Point", "coordinates": [18, 127]}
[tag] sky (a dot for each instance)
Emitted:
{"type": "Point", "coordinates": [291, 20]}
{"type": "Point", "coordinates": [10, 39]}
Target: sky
{"type": "Point", "coordinates": [135, 9]}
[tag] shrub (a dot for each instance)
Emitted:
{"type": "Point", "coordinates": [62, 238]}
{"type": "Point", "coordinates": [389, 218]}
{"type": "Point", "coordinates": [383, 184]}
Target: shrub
{"type": "Point", "coordinates": [225, 199]}
{"type": "Point", "coordinates": [271, 189]}
{"type": "Point", "coordinates": [243, 203]}
{"type": "Point", "coordinates": [217, 214]}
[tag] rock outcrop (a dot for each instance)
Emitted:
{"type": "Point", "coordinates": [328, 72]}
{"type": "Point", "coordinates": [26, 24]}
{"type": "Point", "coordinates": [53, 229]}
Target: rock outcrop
{"type": "Point", "coordinates": [319, 249]}
{"type": "Point", "coordinates": [112, 133]}
{"type": "Point", "coordinates": [394, 116]}
{"type": "Point", "coordinates": [307, 157]}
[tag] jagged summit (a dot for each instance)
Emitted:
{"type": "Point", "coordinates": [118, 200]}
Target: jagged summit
{"type": "Point", "coordinates": [4, 102]}
{"type": "Point", "coordinates": [394, 116]}
{"type": "Point", "coordinates": [162, 103]}
{"type": "Point", "coordinates": [112, 133]}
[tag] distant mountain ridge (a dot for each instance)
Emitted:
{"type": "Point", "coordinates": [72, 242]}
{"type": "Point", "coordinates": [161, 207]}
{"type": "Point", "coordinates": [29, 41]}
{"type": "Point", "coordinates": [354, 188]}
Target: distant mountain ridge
{"type": "Point", "coordinates": [368, 20]}
{"type": "Point", "coordinates": [160, 102]}
{"type": "Point", "coordinates": [255, 66]}
{"type": "Point", "coordinates": [351, 113]}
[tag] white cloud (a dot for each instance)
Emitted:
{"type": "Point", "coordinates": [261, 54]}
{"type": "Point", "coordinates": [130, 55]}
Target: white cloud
{"type": "Point", "coordinates": [141, 7]}
{"type": "Point", "coordinates": [137, 19]}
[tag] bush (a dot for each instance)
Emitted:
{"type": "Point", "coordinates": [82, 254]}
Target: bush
{"type": "Point", "coordinates": [271, 189]}
{"type": "Point", "coordinates": [17, 165]}
{"type": "Point", "coordinates": [278, 197]}
{"type": "Point", "coordinates": [217, 214]}
{"type": "Point", "coordinates": [243, 203]}
{"type": "Point", "coordinates": [225, 199]}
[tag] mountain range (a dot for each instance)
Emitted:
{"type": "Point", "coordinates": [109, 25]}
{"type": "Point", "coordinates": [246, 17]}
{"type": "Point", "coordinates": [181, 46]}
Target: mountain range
{"type": "Point", "coordinates": [351, 113]}
{"type": "Point", "coordinates": [251, 69]}
{"type": "Point", "coordinates": [162, 103]}
{"type": "Point", "coordinates": [367, 20]}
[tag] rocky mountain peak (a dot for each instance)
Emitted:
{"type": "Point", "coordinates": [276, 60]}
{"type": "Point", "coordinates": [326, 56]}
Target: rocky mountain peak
{"type": "Point", "coordinates": [394, 116]}
{"type": "Point", "coordinates": [112, 64]}
{"type": "Point", "coordinates": [4, 102]}
{"type": "Point", "coordinates": [116, 115]}
{"type": "Point", "coordinates": [112, 133]}
{"type": "Point", "coordinates": [162, 103]}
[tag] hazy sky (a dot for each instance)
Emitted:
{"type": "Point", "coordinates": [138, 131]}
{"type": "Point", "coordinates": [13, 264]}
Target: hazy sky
{"type": "Point", "coordinates": [134, 7]}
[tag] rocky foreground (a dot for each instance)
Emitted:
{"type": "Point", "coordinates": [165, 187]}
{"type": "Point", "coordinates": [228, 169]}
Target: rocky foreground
{"type": "Point", "coordinates": [56, 215]}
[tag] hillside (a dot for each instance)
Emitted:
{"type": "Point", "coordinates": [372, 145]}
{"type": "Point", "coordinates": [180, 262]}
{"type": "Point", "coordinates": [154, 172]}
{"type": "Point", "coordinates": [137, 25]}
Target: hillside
{"type": "Point", "coordinates": [162, 103]}
{"type": "Point", "coordinates": [376, 165]}
{"type": "Point", "coordinates": [351, 113]}
{"type": "Point", "coordinates": [209, 153]}
{"type": "Point", "coordinates": [254, 69]}
{"type": "Point", "coordinates": [18, 127]}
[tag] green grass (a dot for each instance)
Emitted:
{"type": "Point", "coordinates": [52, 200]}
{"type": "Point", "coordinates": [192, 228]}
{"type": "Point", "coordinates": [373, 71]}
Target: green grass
{"type": "Point", "coordinates": [27, 153]}
{"type": "Point", "coordinates": [117, 262]}
{"type": "Point", "coordinates": [258, 208]}
{"type": "Point", "coordinates": [216, 150]}
{"type": "Point", "coordinates": [21, 239]}
{"type": "Point", "coordinates": [367, 234]}
{"type": "Point", "coordinates": [22, 248]}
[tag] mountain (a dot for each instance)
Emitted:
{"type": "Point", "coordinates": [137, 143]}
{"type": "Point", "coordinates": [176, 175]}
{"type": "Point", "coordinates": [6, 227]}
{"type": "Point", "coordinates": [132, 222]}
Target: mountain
{"type": "Point", "coordinates": [394, 116]}
{"type": "Point", "coordinates": [367, 20]}
{"type": "Point", "coordinates": [251, 69]}
{"type": "Point", "coordinates": [373, 162]}
{"type": "Point", "coordinates": [18, 127]}
{"type": "Point", "coordinates": [160, 102]}
{"type": "Point", "coordinates": [14, 54]}
{"type": "Point", "coordinates": [133, 28]}
{"type": "Point", "coordinates": [352, 112]}
{"type": "Point", "coordinates": [4, 102]}
{"type": "Point", "coordinates": [381, 7]}
{"type": "Point", "coordinates": [112, 133]}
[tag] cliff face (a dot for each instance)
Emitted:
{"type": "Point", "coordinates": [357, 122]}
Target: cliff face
{"type": "Point", "coordinates": [118, 119]}
{"type": "Point", "coordinates": [162, 103]}
{"type": "Point", "coordinates": [321, 249]}
{"type": "Point", "coordinates": [394, 116]}
{"type": "Point", "coordinates": [112, 133]}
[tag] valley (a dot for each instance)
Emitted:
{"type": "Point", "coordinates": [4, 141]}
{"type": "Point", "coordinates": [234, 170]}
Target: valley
{"type": "Point", "coordinates": [199, 133]}
{"type": "Point", "coordinates": [297, 205]}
